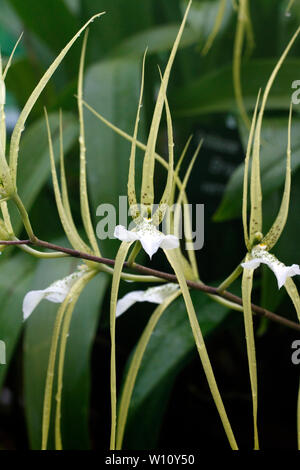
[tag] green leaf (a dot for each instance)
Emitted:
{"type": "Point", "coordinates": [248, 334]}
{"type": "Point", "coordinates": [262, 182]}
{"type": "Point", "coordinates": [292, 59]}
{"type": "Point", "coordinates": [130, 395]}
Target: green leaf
{"type": "Point", "coordinates": [34, 164]}
{"type": "Point", "coordinates": [52, 22]}
{"type": "Point", "coordinates": [122, 20]}
{"type": "Point", "coordinates": [213, 92]}
{"type": "Point", "coordinates": [157, 39]}
{"type": "Point", "coordinates": [273, 163]}
{"type": "Point", "coordinates": [15, 276]}
{"type": "Point", "coordinates": [170, 347]}
{"type": "Point", "coordinates": [76, 386]}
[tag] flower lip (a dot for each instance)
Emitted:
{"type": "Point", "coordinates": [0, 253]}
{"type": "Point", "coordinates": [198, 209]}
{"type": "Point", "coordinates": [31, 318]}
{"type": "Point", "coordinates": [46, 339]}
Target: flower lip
{"type": "Point", "coordinates": [154, 295]}
{"type": "Point", "coordinates": [56, 292]}
{"type": "Point", "coordinates": [259, 255]}
{"type": "Point", "coordinates": [151, 239]}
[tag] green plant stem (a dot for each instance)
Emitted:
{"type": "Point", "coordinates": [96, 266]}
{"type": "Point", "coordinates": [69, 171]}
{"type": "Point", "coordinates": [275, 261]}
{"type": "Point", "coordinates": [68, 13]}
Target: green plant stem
{"type": "Point", "coordinates": [135, 251]}
{"type": "Point", "coordinates": [159, 276]}
{"type": "Point", "coordinates": [231, 278]}
{"type": "Point", "coordinates": [24, 215]}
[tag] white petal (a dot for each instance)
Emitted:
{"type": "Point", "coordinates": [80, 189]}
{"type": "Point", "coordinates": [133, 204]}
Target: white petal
{"type": "Point", "coordinates": [158, 294]}
{"type": "Point", "coordinates": [283, 272]}
{"type": "Point", "coordinates": [155, 295]}
{"type": "Point", "coordinates": [252, 263]}
{"type": "Point", "coordinates": [128, 300]}
{"type": "Point", "coordinates": [170, 242]}
{"type": "Point", "coordinates": [124, 235]}
{"type": "Point", "coordinates": [56, 292]}
{"type": "Point", "coordinates": [31, 300]}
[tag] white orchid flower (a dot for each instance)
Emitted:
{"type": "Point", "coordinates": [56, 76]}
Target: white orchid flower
{"type": "Point", "coordinates": [155, 295]}
{"type": "Point", "coordinates": [151, 239]}
{"type": "Point", "coordinates": [56, 292]}
{"type": "Point", "coordinates": [260, 255]}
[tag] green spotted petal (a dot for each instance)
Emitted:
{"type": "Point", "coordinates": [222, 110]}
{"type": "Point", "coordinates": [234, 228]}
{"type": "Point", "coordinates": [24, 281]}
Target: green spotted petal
{"type": "Point", "coordinates": [256, 193]}
{"type": "Point", "coordinates": [275, 231]}
{"type": "Point", "coordinates": [147, 191]}
{"type": "Point", "coordinates": [246, 171]}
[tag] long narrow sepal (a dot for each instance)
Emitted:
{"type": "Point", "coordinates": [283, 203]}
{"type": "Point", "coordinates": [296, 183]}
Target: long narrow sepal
{"type": "Point", "coordinates": [247, 281]}
{"type": "Point", "coordinates": [69, 227]}
{"type": "Point", "coordinates": [135, 366]}
{"type": "Point", "coordinates": [62, 352]}
{"type": "Point", "coordinates": [165, 199]}
{"type": "Point", "coordinates": [17, 132]}
{"type": "Point", "coordinates": [147, 191]}
{"type": "Point", "coordinates": [174, 260]}
{"type": "Point", "coordinates": [256, 193]}
{"type": "Point", "coordinates": [120, 258]}
{"type": "Point", "coordinates": [245, 182]}
{"type": "Point", "coordinates": [276, 230]}
{"type": "Point", "coordinates": [68, 304]}
{"type": "Point", "coordinates": [131, 174]}
{"type": "Point", "coordinates": [293, 293]}
{"type": "Point", "coordinates": [84, 200]}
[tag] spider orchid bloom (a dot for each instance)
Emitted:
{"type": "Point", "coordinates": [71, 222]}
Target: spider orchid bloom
{"type": "Point", "coordinates": [258, 245]}
{"type": "Point", "coordinates": [260, 255]}
{"type": "Point", "coordinates": [56, 292]}
{"type": "Point", "coordinates": [151, 239]}
{"type": "Point", "coordinates": [155, 295]}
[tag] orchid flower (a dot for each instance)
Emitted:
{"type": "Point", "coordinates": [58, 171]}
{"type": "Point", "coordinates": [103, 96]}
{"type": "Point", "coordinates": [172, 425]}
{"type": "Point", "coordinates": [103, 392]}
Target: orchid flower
{"type": "Point", "coordinates": [56, 292]}
{"type": "Point", "coordinates": [257, 244]}
{"type": "Point", "coordinates": [155, 295]}
{"type": "Point", "coordinates": [151, 239]}
{"type": "Point", "coordinates": [147, 234]}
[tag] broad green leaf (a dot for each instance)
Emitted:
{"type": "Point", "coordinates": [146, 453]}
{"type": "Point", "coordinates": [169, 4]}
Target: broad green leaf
{"type": "Point", "coordinates": [76, 384]}
{"type": "Point", "coordinates": [123, 19]}
{"type": "Point", "coordinates": [15, 277]}
{"type": "Point", "coordinates": [157, 39]}
{"type": "Point", "coordinates": [213, 92]}
{"type": "Point", "coordinates": [273, 166]}
{"type": "Point", "coordinates": [52, 22]}
{"type": "Point", "coordinates": [170, 347]}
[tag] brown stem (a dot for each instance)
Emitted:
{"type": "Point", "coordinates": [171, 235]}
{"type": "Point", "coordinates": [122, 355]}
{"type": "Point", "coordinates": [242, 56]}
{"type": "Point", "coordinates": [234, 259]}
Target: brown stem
{"type": "Point", "coordinates": [160, 274]}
